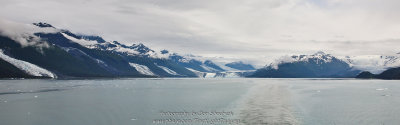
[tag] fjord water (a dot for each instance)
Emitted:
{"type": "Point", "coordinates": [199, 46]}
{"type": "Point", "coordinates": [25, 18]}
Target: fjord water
{"type": "Point", "coordinates": [252, 101]}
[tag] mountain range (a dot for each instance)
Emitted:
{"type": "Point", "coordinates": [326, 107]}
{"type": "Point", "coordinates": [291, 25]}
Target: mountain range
{"type": "Point", "coordinates": [41, 50]}
{"type": "Point", "coordinates": [57, 53]}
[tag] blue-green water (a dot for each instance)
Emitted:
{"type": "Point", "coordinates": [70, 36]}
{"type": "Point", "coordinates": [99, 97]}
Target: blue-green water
{"type": "Point", "coordinates": [203, 101]}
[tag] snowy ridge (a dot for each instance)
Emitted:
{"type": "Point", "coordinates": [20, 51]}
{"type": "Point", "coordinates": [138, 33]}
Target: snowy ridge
{"type": "Point", "coordinates": [142, 69]}
{"type": "Point", "coordinates": [82, 42]}
{"type": "Point", "coordinates": [169, 71]}
{"type": "Point", "coordinates": [320, 57]}
{"type": "Point", "coordinates": [27, 67]}
{"type": "Point", "coordinates": [133, 50]}
{"type": "Point", "coordinates": [121, 49]}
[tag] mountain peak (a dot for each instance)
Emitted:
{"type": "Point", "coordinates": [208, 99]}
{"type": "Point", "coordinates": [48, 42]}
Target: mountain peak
{"type": "Point", "coordinates": [318, 58]}
{"type": "Point", "coordinates": [116, 42]}
{"type": "Point", "coordinates": [140, 45]}
{"type": "Point", "coordinates": [43, 25]}
{"type": "Point", "coordinates": [164, 51]}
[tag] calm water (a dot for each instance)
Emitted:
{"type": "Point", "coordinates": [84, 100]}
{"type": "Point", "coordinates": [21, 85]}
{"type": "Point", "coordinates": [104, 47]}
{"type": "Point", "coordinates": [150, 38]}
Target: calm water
{"type": "Point", "coordinates": [199, 101]}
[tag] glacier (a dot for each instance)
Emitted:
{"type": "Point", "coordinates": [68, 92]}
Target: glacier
{"type": "Point", "coordinates": [227, 74]}
{"type": "Point", "coordinates": [27, 67]}
{"type": "Point", "coordinates": [142, 69]}
{"type": "Point", "coordinates": [166, 69]}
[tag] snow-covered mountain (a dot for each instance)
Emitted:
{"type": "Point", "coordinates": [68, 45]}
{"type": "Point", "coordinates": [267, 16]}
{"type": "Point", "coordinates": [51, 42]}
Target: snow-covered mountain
{"type": "Point", "coordinates": [373, 63]}
{"type": "Point", "coordinates": [187, 61]}
{"type": "Point", "coordinates": [194, 64]}
{"type": "Point", "coordinates": [42, 50]}
{"type": "Point", "coordinates": [305, 66]}
{"type": "Point", "coordinates": [319, 58]}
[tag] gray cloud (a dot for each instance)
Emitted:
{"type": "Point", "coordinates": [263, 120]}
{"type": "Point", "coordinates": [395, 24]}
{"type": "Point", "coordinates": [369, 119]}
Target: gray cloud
{"type": "Point", "coordinates": [240, 29]}
{"type": "Point", "coordinates": [23, 33]}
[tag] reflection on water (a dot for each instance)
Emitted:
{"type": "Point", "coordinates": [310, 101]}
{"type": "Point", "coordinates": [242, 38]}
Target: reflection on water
{"type": "Point", "coordinates": [268, 104]}
{"type": "Point", "coordinates": [199, 101]}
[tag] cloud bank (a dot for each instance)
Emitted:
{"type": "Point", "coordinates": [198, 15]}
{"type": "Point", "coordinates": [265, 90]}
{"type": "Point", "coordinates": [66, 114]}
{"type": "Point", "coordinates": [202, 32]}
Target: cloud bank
{"type": "Point", "coordinates": [255, 30]}
{"type": "Point", "coordinates": [23, 33]}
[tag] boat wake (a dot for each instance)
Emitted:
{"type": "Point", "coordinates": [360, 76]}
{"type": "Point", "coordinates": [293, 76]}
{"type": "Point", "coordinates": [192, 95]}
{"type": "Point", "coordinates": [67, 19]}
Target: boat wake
{"type": "Point", "coordinates": [267, 104]}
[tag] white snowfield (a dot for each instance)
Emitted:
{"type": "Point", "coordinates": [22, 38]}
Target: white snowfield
{"type": "Point", "coordinates": [27, 67]}
{"type": "Point", "coordinates": [169, 71]}
{"type": "Point", "coordinates": [129, 51]}
{"type": "Point", "coordinates": [142, 69]}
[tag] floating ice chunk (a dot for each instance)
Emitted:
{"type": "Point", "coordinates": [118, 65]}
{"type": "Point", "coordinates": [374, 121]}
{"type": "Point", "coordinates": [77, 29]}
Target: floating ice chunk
{"type": "Point", "coordinates": [381, 89]}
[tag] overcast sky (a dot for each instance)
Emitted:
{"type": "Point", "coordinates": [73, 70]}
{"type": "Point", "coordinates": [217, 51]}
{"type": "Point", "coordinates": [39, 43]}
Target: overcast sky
{"type": "Point", "coordinates": [244, 29]}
